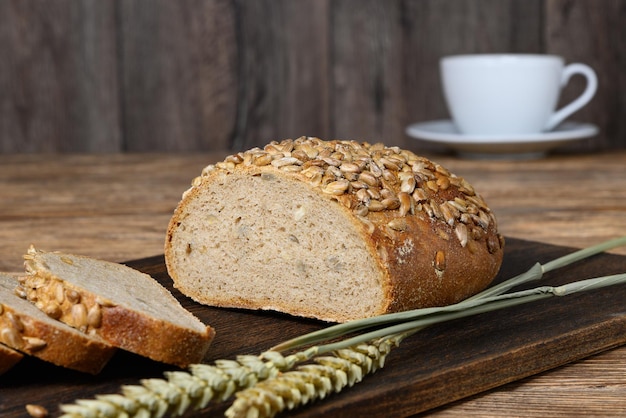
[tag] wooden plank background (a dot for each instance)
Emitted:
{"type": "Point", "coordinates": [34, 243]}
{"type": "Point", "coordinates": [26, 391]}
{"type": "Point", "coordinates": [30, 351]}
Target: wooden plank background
{"type": "Point", "coordinates": [199, 75]}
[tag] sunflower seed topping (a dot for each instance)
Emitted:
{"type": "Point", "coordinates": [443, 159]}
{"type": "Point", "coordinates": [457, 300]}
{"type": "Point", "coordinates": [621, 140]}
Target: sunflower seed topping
{"type": "Point", "coordinates": [11, 337]}
{"type": "Point", "coordinates": [367, 178]}
{"type": "Point", "coordinates": [34, 344]}
{"type": "Point", "coordinates": [440, 261]}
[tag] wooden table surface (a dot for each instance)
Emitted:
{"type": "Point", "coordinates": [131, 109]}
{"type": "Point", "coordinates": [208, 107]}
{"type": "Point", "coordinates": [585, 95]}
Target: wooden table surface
{"type": "Point", "coordinates": [117, 206]}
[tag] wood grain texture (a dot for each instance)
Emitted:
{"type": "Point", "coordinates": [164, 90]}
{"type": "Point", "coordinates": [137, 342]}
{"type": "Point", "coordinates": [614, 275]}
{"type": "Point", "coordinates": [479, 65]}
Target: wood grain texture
{"type": "Point", "coordinates": [366, 72]}
{"type": "Point", "coordinates": [443, 362]}
{"type": "Point", "coordinates": [58, 77]}
{"type": "Point", "coordinates": [433, 29]}
{"type": "Point", "coordinates": [598, 382]}
{"type": "Point", "coordinates": [88, 204]}
{"type": "Point", "coordinates": [282, 70]}
{"type": "Point", "coordinates": [177, 66]}
{"type": "Point", "coordinates": [571, 30]}
{"type": "Point", "coordinates": [116, 207]}
{"type": "Point", "coordinates": [202, 75]}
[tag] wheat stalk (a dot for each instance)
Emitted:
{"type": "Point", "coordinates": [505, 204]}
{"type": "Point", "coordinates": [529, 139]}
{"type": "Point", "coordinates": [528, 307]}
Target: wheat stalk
{"type": "Point", "coordinates": [267, 384]}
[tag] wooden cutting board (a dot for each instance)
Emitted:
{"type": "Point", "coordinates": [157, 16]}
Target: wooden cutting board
{"type": "Point", "coordinates": [440, 364]}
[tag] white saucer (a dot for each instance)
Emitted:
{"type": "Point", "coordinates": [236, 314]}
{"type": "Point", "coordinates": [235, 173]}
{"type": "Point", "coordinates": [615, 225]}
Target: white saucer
{"type": "Point", "coordinates": [520, 146]}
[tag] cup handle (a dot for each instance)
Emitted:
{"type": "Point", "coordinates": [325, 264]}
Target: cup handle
{"type": "Point", "coordinates": [583, 99]}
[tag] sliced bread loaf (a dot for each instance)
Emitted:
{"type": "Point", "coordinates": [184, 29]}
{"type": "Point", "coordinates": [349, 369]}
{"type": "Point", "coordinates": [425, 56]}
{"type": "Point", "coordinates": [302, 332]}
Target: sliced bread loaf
{"type": "Point", "coordinates": [8, 358]}
{"type": "Point", "coordinates": [127, 308]}
{"type": "Point", "coordinates": [25, 328]}
{"type": "Point", "coordinates": [335, 230]}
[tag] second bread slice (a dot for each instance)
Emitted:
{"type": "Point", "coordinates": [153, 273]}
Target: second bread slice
{"type": "Point", "coordinates": [125, 307]}
{"type": "Point", "coordinates": [25, 328]}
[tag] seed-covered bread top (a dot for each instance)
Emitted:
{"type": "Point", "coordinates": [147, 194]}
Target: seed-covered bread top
{"type": "Point", "coordinates": [127, 308]}
{"type": "Point", "coordinates": [375, 228]}
{"type": "Point", "coordinates": [374, 178]}
{"type": "Point", "coordinates": [26, 328]}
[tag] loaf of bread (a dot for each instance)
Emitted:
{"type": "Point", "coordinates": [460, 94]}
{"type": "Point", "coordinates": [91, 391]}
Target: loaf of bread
{"type": "Point", "coordinates": [334, 230]}
{"type": "Point", "coordinates": [125, 307]}
{"type": "Point", "coordinates": [25, 328]}
{"type": "Point", "coordinates": [8, 358]}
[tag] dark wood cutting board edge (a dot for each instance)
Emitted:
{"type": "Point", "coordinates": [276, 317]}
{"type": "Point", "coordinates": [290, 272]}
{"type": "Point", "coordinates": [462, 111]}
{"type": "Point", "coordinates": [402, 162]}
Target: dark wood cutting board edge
{"type": "Point", "coordinates": [439, 365]}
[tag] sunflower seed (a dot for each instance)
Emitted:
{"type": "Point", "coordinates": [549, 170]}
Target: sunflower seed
{"type": "Point", "coordinates": [447, 213]}
{"type": "Point", "coordinates": [345, 200]}
{"type": "Point", "coordinates": [408, 185]}
{"type": "Point", "coordinates": [440, 260]}
{"type": "Point", "coordinates": [389, 163]}
{"type": "Point", "coordinates": [493, 244]}
{"type": "Point", "coordinates": [15, 321]}
{"type": "Point", "coordinates": [34, 344]}
{"type": "Point", "coordinates": [312, 171]}
{"type": "Point", "coordinates": [420, 195]}
{"type": "Point", "coordinates": [467, 188]}
{"type": "Point", "coordinates": [375, 169]}
{"type": "Point", "coordinates": [375, 206]}
{"type": "Point", "coordinates": [358, 185]}
{"type": "Point", "coordinates": [361, 210]}
{"type": "Point", "coordinates": [94, 316]}
{"type": "Point", "coordinates": [228, 166]}
{"type": "Point", "coordinates": [337, 187]}
{"type": "Point", "coordinates": [104, 302]}
{"type": "Point", "coordinates": [432, 185]}
{"type": "Point", "coordinates": [36, 411]}
{"type": "Point", "coordinates": [11, 337]}
{"type": "Point", "coordinates": [368, 224]}
{"type": "Point", "coordinates": [406, 203]}
{"type": "Point", "coordinates": [79, 316]}
{"type": "Point", "coordinates": [443, 183]}
{"type": "Point", "coordinates": [285, 161]}
{"type": "Point", "coordinates": [349, 168]}
{"type": "Point", "coordinates": [262, 160]}
{"type": "Point", "coordinates": [300, 155]}
{"type": "Point", "coordinates": [398, 224]}
{"type": "Point", "coordinates": [316, 180]}
{"type": "Point", "coordinates": [53, 310]}
{"type": "Point", "coordinates": [368, 178]}
{"type": "Point", "coordinates": [20, 291]}
{"type": "Point", "coordinates": [333, 162]}
{"type": "Point", "coordinates": [461, 233]}
{"type": "Point", "coordinates": [391, 203]}
{"type": "Point", "coordinates": [333, 171]}
{"type": "Point", "coordinates": [72, 295]}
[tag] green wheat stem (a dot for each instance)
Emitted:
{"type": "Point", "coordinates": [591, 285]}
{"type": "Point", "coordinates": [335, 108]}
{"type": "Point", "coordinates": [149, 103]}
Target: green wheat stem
{"type": "Point", "coordinates": [271, 382]}
{"type": "Point", "coordinates": [482, 306]}
{"type": "Point", "coordinates": [535, 273]}
{"type": "Point", "coordinates": [295, 388]}
{"type": "Point", "coordinates": [538, 270]}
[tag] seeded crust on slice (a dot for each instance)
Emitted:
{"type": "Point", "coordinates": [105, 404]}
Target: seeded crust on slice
{"type": "Point", "coordinates": [333, 230]}
{"type": "Point", "coordinates": [25, 328]}
{"type": "Point", "coordinates": [125, 307]}
{"type": "Point", "coordinates": [8, 358]}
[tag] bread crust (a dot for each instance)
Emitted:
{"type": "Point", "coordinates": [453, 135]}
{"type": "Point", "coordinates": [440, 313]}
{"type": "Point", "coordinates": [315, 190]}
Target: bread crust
{"type": "Point", "coordinates": [25, 330]}
{"type": "Point", "coordinates": [117, 324]}
{"type": "Point", "coordinates": [435, 240]}
{"type": "Point", "coordinates": [8, 358]}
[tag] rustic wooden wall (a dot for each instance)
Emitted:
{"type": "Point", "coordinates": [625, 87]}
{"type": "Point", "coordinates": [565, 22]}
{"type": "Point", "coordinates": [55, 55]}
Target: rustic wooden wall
{"type": "Point", "coordinates": [194, 75]}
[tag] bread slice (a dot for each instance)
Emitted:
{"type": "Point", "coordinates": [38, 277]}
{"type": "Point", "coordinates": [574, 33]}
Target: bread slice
{"type": "Point", "coordinates": [334, 230]}
{"type": "Point", "coordinates": [25, 328]}
{"type": "Point", "coordinates": [125, 307]}
{"type": "Point", "coordinates": [8, 358]}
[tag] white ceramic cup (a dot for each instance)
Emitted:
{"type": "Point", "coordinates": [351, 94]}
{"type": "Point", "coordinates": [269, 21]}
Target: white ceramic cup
{"type": "Point", "coordinates": [500, 94]}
